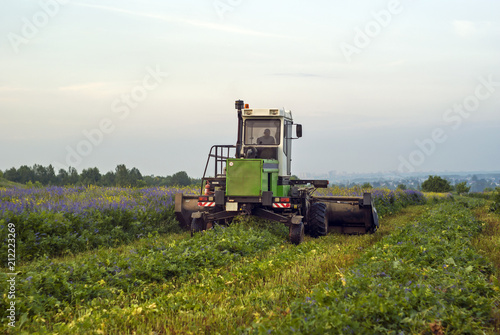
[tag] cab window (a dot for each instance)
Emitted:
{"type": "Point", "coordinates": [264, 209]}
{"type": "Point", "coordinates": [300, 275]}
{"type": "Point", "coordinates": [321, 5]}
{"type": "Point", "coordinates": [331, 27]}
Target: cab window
{"type": "Point", "coordinates": [262, 132]}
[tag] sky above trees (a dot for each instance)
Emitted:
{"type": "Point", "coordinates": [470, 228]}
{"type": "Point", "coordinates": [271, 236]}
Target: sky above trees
{"type": "Point", "coordinates": [378, 85]}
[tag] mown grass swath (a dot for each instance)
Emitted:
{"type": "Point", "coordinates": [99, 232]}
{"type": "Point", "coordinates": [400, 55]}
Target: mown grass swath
{"type": "Point", "coordinates": [426, 277]}
{"type": "Point", "coordinates": [57, 290]}
{"type": "Point", "coordinates": [227, 300]}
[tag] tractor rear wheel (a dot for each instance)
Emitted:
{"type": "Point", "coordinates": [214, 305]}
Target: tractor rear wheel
{"type": "Point", "coordinates": [297, 233]}
{"type": "Point", "coordinates": [317, 225]}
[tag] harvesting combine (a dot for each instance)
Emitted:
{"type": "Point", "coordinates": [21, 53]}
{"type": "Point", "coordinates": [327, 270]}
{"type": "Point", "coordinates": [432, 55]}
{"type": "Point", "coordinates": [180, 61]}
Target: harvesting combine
{"type": "Point", "coordinates": [253, 177]}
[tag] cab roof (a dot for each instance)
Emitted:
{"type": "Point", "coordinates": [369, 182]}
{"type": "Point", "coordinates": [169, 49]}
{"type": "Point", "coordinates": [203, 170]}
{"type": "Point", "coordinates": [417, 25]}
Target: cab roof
{"type": "Point", "coordinates": [280, 112]}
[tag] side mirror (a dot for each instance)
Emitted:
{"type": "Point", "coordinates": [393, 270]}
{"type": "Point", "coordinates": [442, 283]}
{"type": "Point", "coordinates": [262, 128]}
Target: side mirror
{"type": "Point", "coordinates": [298, 130]}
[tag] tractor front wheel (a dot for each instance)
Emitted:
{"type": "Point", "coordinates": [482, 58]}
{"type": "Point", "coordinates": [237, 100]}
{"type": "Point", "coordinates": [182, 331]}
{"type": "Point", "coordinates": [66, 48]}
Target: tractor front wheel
{"type": "Point", "coordinates": [297, 233]}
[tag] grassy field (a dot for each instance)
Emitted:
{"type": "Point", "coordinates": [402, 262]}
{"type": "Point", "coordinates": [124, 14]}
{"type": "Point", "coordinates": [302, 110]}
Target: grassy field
{"type": "Point", "coordinates": [433, 259]}
{"type": "Point", "coordinates": [7, 183]}
{"type": "Point", "coordinates": [426, 277]}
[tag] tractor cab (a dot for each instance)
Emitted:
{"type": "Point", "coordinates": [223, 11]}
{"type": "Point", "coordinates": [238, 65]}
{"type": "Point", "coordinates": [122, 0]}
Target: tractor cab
{"type": "Point", "coordinates": [266, 133]}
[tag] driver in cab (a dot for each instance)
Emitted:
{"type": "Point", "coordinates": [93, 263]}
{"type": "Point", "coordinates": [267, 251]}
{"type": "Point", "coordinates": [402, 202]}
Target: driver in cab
{"type": "Point", "coordinates": [266, 153]}
{"type": "Point", "coordinates": [266, 139]}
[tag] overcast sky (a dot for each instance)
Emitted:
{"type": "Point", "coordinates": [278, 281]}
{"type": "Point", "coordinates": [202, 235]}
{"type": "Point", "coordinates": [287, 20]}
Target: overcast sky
{"type": "Point", "coordinates": [377, 85]}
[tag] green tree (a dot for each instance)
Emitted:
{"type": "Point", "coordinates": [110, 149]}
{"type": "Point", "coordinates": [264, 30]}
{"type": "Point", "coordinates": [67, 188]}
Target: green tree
{"type": "Point", "coordinates": [402, 187]}
{"type": "Point", "coordinates": [51, 175]}
{"type": "Point", "coordinates": [135, 177]}
{"type": "Point", "coordinates": [62, 177]}
{"type": "Point", "coordinates": [122, 175]}
{"type": "Point", "coordinates": [73, 177]}
{"type": "Point", "coordinates": [180, 178]}
{"type": "Point", "coordinates": [479, 185]}
{"type": "Point", "coordinates": [367, 185]}
{"type": "Point", "coordinates": [90, 176]}
{"type": "Point", "coordinates": [12, 174]}
{"type": "Point", "coordinates": [41, 174]}
{"type": "Point", "coordinates": [108, 179]}
{"type": "Point", "coordinates": [436, 184]}
{"type": "Point", "coordinates": [26, 174]}
{"type": "Point", "coordinates": [462, 188]}
{"type": "Point", "coordinates": [70, 177]}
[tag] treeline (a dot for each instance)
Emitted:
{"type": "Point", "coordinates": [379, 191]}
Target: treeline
{"type": "Point", "coordinates": [121, 177]}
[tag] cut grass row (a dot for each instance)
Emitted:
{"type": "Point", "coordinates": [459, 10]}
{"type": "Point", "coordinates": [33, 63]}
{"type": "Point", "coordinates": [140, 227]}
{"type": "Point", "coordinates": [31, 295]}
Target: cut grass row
{"type": "Point", "coordinates": [49, 286]}
{"type": "Point", "coordinates": [488, 243]}
{"type": "Point", "coordinates": [426, 278]}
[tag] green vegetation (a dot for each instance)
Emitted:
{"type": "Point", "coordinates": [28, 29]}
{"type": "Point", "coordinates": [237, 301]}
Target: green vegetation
{"type": "Point", "coordinates": [495, 206]}
{"type": "Point", "coordinates": [488, 242]}
{"type": "Point", "coordinates": [402, 187]}
{"type": "Point", "coordinates": [462, 188]}
{"type": "Point", "coordinates": [106, 277]}
{"type": "Point", "coordinates": [436, 184]}
{"type": "Point", "coordinates": [7, 183]}
{"type": "Point", "coordinates": [56, 221]}
{"type": "Point", "coordinates": [247, 277]}
{"type": "Point", "coordinates": [366, 185]}
{"type": "Point", "coordinates": [423, 278]}
{"type": "Point", "coordinates": [164, 282]}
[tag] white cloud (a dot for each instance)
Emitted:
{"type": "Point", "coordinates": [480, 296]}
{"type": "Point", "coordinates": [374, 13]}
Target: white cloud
{"type": "Point", "coordinates": [99, 88]}
{"type": "Point", "coordinates": [177, 19]}
{"type": "Point", "coordinates": [10, 89]}
{"type": "Point", "coordinates": [464, 28]}
{"type": "Point", "coordinates": [84, 87]}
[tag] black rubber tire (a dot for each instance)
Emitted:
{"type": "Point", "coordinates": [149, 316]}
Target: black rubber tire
{"type": "Point", "coordinates": [375, 225]}
{"type": "Point", "coordinates": [297, 233]}
{"type": "Point", "coordinates": [197, 225]}
{"type": "Point", "coordinates": [316, 224]}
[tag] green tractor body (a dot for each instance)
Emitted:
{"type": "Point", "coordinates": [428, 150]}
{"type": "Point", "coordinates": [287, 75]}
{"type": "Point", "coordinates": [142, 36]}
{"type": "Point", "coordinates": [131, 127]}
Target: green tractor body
{"type": "Point", "coordinates": [249, 177]}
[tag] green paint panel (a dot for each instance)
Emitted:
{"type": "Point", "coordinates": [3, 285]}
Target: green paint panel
{"type": "Point", "coordinates": [244, 177]}
{"type": "Point", "coordinates": [274, 182]}
{"type": "Point", "coordinates": [283, 191]}
{"type": "Point", "coordinates": [265, 179]}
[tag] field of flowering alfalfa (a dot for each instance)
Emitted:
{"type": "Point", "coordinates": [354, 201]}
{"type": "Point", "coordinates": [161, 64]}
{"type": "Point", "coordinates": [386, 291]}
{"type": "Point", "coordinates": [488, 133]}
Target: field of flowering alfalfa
{"type": "Point", "coordinates": [54, 221]}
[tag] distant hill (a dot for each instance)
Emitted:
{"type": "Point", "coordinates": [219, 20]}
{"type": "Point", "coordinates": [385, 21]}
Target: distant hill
{"type": "Point", "coordinates": [7, 183]}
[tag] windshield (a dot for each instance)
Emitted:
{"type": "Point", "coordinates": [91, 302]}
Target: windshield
{"type": "Point", "coordinates": [262, 132]}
